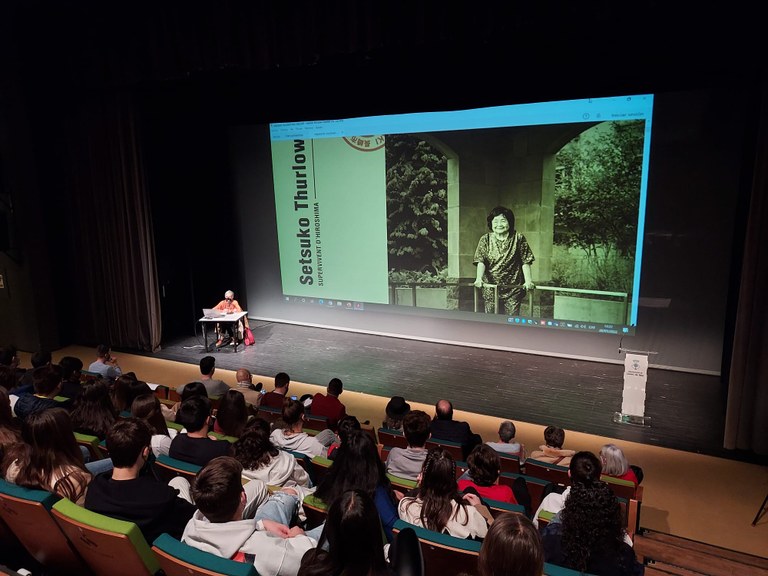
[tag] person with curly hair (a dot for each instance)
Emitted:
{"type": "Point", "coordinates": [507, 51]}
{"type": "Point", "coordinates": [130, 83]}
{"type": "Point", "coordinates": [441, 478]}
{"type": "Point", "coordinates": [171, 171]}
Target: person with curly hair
{"type": "Point", "coordinates": [484, 469]}
{"type": "Point", "coordinates": [590, 537]}
{"type": "Point", "coordinates": [438, 505]}
{"type": "Point", "coordinates": [261, 460]}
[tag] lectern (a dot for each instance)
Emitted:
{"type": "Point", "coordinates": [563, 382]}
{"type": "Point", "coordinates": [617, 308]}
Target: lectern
{"type": "Point", "coordinates": [635, 379]}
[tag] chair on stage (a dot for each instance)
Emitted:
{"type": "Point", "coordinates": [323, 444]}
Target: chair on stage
{"type": "Point", "coordinates": [28, 515]}
{"type": "Point", "coordinates": [179, 559]}
{"type": "Point", "coordinates": [108, 546]}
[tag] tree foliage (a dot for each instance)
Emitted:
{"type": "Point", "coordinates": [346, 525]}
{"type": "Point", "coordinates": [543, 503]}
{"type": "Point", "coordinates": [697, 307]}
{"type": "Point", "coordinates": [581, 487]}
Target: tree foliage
{"type": "Point", "coordinates": [597, 195]}
{"type": "Point", "coordinates": [597, 189]}
{"type": "Point", "coordinates": [416, 204]}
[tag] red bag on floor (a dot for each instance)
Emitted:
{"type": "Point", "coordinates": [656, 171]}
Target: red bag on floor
{"type": "Point", "coordinates": [248, 338]}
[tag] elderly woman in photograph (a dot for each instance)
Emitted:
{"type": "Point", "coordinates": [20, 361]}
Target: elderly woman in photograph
{"type": "Point", "coordinates": [503, 258]}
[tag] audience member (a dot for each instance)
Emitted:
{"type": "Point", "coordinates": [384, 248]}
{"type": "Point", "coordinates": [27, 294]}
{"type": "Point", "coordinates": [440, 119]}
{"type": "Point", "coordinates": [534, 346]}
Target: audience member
{"type": "Point", "coordinates": [50, 458]}
{"type": "Point", "coordinates": [584, 469]}
{"type": "Point", "coordinates": [275, 398]}
{"type": "Point", "coordinates": [232, 414]}
{"type": "Point", "coordinates": [222, 525]}
{"type": "Point", "coordinates": [10, 427]}
{"type": "Point", "coordinates": [552, 450]}
{"type": "Point", "coordinates": [8, 379]}
{"type": "Point", "coordinates": [483, 472]}
{"type": "Point", "coordinates": [251, 393]}
{"type": "Point", "coordinates": [261, 460]}
{"type": "Point", "coordinates": [395, 411]}
{"type": "Point", "coordinates": [38, 360]}
{"type": "Point", "coordinates": [350, 543]}
{"type": "Point", "coordinates": [615, 464]}
{"type": "Point", "coordinates": [47, 385]}
{"type": "Point", "coordinates": [147, 407]}
{"type": "Point", "coordinates": [590, 538]}
{"type": "Point", "coordinates": [10, 360]}
{"type": "Point", "coordinates": [292, 437]}
{"type": "Point", "coordinates": [127, 494]}
{"type": "Point", "coordinates": [512, 547]}
{"type": "Point", "coordinates": [93, 412]}
{"type": "Point", "coordinates": [121, 397]}
{"type": "Point", "coordinates": [195, 446]}
{"type": "Point", "coordinates": [408, 462]}
{"type": "Point", "coordinates": [438, 505]}
{"type": "Point", "coordinates": [328, 404]}
{"type": "Point", "coordinates": [215, 388]}
{"type": "Point", "coordinates": [506, 443]}
{"type": "Point", "coordinates": [71, 371]}
{"type": "Point", "coordinates": [186, 391]}
{"type": "Point", "coordinates": [358, 466]}
{"type": "Point", "coordinates": [105, 364]}
{"type": "Point", "coordinates": [346, 425]}
{"type": "Point", "coordinates": [444, 427]}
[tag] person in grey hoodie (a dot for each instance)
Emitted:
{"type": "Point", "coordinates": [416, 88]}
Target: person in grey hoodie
{"type": "Point", "coordinates": [407, 462]}
{"type": "Point", "coordinates": [292, 437]}
{"type": "Point", "coordinates": [222, 526]}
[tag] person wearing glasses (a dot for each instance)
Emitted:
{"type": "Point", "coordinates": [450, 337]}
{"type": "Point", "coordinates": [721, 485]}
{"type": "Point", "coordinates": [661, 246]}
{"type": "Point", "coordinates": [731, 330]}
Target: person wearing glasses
{"type": "Point", "coordinates": [226, 331]}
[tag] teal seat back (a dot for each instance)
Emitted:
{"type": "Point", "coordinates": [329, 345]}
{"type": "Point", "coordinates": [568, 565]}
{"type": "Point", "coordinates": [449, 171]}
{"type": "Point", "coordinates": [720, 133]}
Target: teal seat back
{"type": "Point", "coordinates": [179, 559]}
{"type": "Point", "coordinates": [27, 513]}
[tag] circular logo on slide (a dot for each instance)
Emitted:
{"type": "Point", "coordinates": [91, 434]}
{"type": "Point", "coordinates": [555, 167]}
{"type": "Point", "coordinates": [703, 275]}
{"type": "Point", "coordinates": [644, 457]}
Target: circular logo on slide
{"type": "Point", "coordinates": [365, 143]}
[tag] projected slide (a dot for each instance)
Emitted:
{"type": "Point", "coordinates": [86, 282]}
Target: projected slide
{"type": "Point", "coordinates": [527, 215]}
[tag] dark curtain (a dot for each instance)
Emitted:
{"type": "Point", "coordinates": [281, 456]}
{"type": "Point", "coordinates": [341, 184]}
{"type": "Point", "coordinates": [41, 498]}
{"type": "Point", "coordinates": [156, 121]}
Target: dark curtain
{"type": "Point", "coordinates": [115, 271]}
{"type": "Point", "coordinates": [746, 425]}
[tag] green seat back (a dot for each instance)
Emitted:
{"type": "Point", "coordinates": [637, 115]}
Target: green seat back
{"type": "Point", "coordinates": [109, 546]}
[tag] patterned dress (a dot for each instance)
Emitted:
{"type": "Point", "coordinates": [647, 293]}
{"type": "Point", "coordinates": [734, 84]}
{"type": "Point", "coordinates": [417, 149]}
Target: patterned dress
{"type": "Point", "coordinates": [504, 261]}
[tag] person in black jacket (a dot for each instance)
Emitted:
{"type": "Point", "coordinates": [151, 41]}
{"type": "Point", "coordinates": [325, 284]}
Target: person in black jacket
{"type": "Point", "coordinates": [444, 427]}
{"type": "Point", "coordinates": [126, 494]}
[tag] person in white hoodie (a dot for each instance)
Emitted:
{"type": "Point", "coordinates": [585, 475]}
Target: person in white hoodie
{"type": "Point", "coordinates": [291, 435]}
{"type": "Point", "coordinates": [222, 526]}
{"type": "Point", "coordinates": [261, 460]}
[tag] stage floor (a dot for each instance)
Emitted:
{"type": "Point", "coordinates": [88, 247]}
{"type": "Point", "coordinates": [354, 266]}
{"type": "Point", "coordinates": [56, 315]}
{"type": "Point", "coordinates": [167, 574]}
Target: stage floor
{"type": "Point", "coordinates": [686, 411]}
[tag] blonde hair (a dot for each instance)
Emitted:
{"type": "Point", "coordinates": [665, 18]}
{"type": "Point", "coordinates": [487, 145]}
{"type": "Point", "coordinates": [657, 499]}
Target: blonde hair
{"type": "Point", "coordinates": [613, 460]}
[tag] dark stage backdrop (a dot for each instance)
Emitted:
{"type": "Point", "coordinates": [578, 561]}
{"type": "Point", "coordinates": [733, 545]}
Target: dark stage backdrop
{"type": "Point", "coordinates": [695, 185]}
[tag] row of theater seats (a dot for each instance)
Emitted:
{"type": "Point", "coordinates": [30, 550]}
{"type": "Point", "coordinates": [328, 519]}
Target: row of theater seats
{"type": "Point", "coordinates": [537, 475]}
{"type": "Point", "coordinates": [78, 541]}
{"type": "Point", "coordinates": [68, 539]}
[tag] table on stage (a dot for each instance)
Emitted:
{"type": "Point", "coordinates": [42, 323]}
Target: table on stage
{"type": "Point", "coordinates": [233, 318]}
